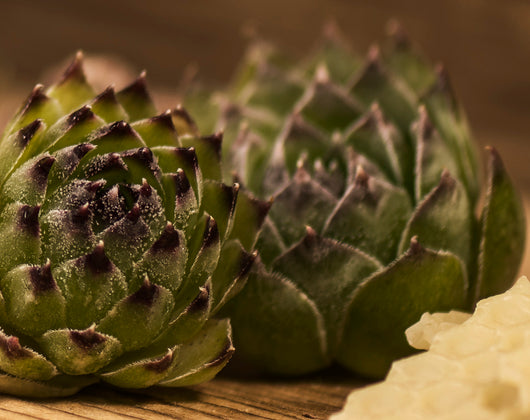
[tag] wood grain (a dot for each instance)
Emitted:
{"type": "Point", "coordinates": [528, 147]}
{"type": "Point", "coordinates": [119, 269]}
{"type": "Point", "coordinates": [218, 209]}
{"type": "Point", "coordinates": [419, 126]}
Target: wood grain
{"type": "Point", "coordinates": [223, 398]}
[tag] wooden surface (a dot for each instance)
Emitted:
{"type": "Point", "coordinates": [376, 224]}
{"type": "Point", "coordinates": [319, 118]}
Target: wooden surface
{"type": "Point", "coordinates": [222, 398]}
{"type": "Point", "coordinates": [483, 43]}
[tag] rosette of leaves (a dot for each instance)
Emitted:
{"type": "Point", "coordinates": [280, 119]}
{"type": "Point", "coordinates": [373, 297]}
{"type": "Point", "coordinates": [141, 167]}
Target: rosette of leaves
{"type": "Point", "coordinates": [119, 243]}
{"type": "Point", "coordinates": [376, 185]}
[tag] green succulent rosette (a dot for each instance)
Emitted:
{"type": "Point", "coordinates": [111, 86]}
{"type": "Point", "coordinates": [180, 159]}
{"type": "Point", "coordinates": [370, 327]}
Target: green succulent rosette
{"type": "Point", "coordinates": [119, 243]}
{"type": "Point", "coordinates": [376, 185]}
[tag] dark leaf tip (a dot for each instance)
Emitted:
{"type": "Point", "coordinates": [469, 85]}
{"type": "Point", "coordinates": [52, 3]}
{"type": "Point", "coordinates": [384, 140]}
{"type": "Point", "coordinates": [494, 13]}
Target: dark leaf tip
{"type": "Point", "coordinates": [79, 116]}
{"type": "Point", "coordinates": [162, 364]}
{"type": "Point", "coordinates": [26, 133]}
{"type": "Point", "coordinates": [75, 70]}
{"type": "Point", "coordinates": [211, 234]}
{"type": "Point", "coordinates": [97, 261]}
{"type": "Point", "coordinates": [41, 278]}
{"type": "Point", "coordinates": [201, 301]}
{"type": "Point", "coordinates": [28, 220]}
{"type": "Point", "coordinates": [87, 339]}
{"type": "Point", "coordinates": [169, 240]}
{"type": "Point", "coordinates": [11, 347]}
{"type": "Point", "coordinates": [145, 295]}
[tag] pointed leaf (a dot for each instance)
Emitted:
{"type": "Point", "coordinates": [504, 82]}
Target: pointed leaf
{"type": "Point", "coordinates": [503, 232]}
{"type": "Point", "coordinates": [328, 272]}
{"type": "Point", "coordinates": [302, 203]}
{"type": "Point", "coordinates": [374, 83]}
{"type": "Point", "coordinates": [92, 285]}
{"type": "Point", "coordinates": [370, 216]}
{"type": "Point", "coordinates": [203, 356]}
{"type": "Point", "coordinates": [73, 90]}
{"type": "Point", "coordinates": [20, 234]}
{"type": "Point", "coordinates": [391, 300]}
{"type": "Point", "coordinates": [142, 373]}
{"type": "Point", "coordinates": [443, 220]}
{"type": "Point", "coordinates": [157, 131]}
{"type": "Point", "coordinates": [77, 352]}
{"type": "Point", "coordinates": [432, 156]}
{"type": "Point", "coordinates": [148, 309]}
{"type": "Point", "coordinates": [287, 335]}
{"type": "Point", "coordinates": [327, 105]}
{"type": "Point", "coordinates": [249, 216]}
{"type": "Point", "coordinates": [107, 107]}
{"type": "Point", "coordinates": [208, 150]}
{"type": "Point", "coordinates": [34, 303]}
{"type": "Point", "coordinates": [231, 272]}
{"type": "Point", "coordinates": [23, 362]}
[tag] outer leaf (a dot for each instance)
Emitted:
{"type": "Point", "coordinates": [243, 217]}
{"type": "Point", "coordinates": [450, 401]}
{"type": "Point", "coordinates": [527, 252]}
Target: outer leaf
{"type": "Point", "coordinates": [142, 373]}
{"type": "Point", "coordinates": [22, 361]}
{"type": "Point", "coordinates": [287, 335]}
{"type": "Point", "coordinates": [370, 216]}
{"type": "Point", "coordinates": [391, 300]}
{"type": "Point", "coordinates": [148, 309]}
{"type": "Point", "coordinates": [203, 356]}
{"type": "Point", "coordinates": [327, 271]}
{"type": "Point", "coordinates": [503, 227]}
{"type": "Point", "coordinates": [61, 386]}
{"type": "Point", "coordinates": [443, 220]}
{"type": "Point", "coordinates": [77, 352]}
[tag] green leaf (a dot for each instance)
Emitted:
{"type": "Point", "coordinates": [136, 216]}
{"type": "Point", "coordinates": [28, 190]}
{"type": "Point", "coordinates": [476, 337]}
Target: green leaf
{"type": "Point", "coordinates": [28, 183]}
{"type": "Point", "coordinates": [34, 303]}
{"type": "Point", "coordinates": [91, 285]}
{"type": "Point", "coordinates": [208, 150]}
{"type": "Point", "coordinates": [452, 125]}
{"type": "Point", "coordinates": [375, 84]}
{"type": "Point", "coordinates": [370, 216]}
{"type": "Point", "coordinates": [391, 300]}
{"type": "Point", "coordinates": [141, 373]}
{"type": "Point", "coordinates": [432, 156]}
{"type": "Point", "coordinates": [37, 106]}
{"type": "Point", "coordinates": [335, 53]}
{"type": "Point", "coordinates": [303, 202]}
{"type": "Point", "coordinates": [503, 232]}
{"type": "Point", "coordinates": [328, 106]}
{"type": "Point", "coordinates": [231, 272]}
{"type": "Point", "coordinates": [220, 202]}
{"type": "Point", "coordinates": [73, 90]}
{"type": "Point", "coordinates": [60, 386]}
{"type": "Point", "coordinates": [287, 335]}
{"type": "Point", "coordinates": [403, 58]}
{"type": "Point", "coordinates": [136, 101]}
{"type": "Point", "coordinates": [443, 220]}
{"type": "Point", "coordinates": [148, 309]}
{"type": "Point", "coordinates": [381, 142]}
{"type": "Point", "coordinates": [165, 261]}
{"type": "Point", "coordinates": [249, 216]}
{"type": "Point", "coordinates": [201, 358]}
{"type": "Point", "coordinates": [77, 352]}
{"type": "Point", "coordinates": [20, 234]}
{"type": "Point", "coordinates": [326, 271]}
{"type": "Point", "coordinates": [13, 146]}
{"type": "Point", "coordinates": [157, 131]}
{"type": "Point", "coordinates": [22, 361]}
{"type": "Point", "coordinates": [107, 107]}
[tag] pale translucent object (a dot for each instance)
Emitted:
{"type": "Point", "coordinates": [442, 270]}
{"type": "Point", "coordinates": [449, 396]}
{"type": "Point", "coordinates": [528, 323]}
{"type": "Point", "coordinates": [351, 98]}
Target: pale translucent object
{"type": "Point", "coordinates": [475, 367]}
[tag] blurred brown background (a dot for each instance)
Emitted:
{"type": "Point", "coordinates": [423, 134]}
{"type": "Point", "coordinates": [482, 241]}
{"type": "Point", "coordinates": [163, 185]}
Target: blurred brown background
{"type": "Point", "coordinates": [484, 43]}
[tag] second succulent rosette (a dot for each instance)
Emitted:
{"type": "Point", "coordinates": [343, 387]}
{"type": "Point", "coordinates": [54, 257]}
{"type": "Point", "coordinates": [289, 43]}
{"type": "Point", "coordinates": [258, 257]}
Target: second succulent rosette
{"type": "Point", "coordinates": [376, 184]}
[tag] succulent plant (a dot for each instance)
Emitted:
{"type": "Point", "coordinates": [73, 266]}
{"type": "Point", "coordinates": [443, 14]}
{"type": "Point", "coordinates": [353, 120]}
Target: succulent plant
{"type": "Point", "coordinates": [119, 243]}
{"type": "Point", "coordinates": [376, 184]}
